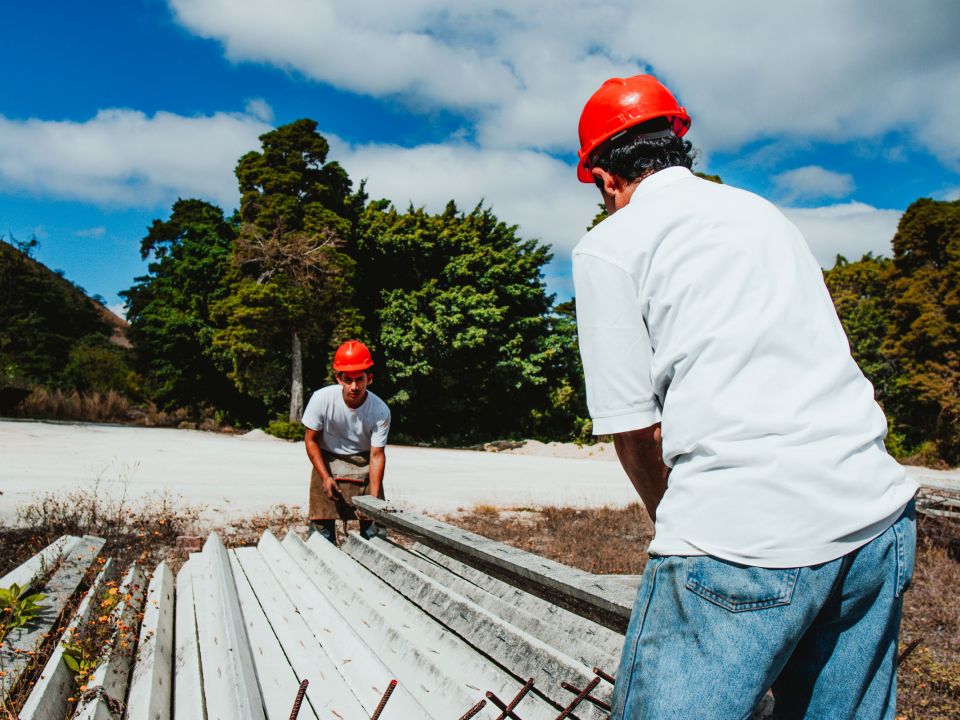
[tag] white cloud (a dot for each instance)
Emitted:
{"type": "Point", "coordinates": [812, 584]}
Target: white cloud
{"type": "Point", "coordinates": [94, 232]}
{"type": "Point", "coordinates": [260, 109]}
{"type": "Point", "coordinates": [849, 229]}
{"type": "Point", "coordinates": [812, 182]}
{"type": "Point", "coordinates": [124, 157]}
{"type": "Point", "coordinates": [952, 194]}
{"type": "Point", "coordinates": [528, 188]}
{"type": "Point", "coordinates": [521, 70]}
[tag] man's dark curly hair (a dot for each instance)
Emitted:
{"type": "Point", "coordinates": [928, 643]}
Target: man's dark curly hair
{"type": "Point", "coordinates": [629, 155]}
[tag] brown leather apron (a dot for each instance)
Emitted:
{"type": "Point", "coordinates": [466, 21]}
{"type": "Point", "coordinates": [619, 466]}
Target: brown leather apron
{"type": "Point", "coordinates": [355, 471]}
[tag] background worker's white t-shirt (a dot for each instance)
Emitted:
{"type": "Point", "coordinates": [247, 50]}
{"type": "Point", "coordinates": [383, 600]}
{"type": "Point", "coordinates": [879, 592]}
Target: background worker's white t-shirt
{"type": "Point", "coordinates": [347, 431]}
{"type": "Point", "coordinates": [700, 306]}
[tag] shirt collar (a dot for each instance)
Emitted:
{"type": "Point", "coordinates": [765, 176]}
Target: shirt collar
{"type": "Point", "coordinates": [660, 179]}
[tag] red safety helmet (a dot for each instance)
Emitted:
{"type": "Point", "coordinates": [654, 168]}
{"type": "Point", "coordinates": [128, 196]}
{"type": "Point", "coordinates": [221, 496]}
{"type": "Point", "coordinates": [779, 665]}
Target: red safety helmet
{"type": "Point", "coordinates": [351, 357]}
{"type": "Point", "coordinates": [621, 103]}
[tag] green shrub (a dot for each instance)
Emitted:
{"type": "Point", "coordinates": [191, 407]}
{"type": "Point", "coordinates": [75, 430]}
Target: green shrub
{"type": "Point", "coordinates": [285, 429]}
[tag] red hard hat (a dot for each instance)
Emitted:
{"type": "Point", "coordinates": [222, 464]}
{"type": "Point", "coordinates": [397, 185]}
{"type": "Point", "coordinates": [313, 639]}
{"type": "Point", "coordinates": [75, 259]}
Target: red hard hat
{"type": "Point", "coordinates": [352, 356]}
{"type": "Point", "coordinates": [621, 103]}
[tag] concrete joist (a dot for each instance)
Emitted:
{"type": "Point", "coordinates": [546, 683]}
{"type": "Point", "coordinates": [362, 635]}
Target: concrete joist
{"type": "Point", "coordinates": [22, 642]}
{"type": "Point", "coordinates": [230, 687]}
{"type": "Point", "coordinates": [276, 678]}
{"type": "Point", "coordinates": [151, 684]}
{"type": "Point", "coordinates": [442, 669]}
{"type": "Point", "coordinates": [107, 688]}
{"type": "Point", "coordinates": [590, 643]}
{"type": "Point", "coordinates": [328, 695]}
{"type": "Point", "coordinates": [520, 653]}
{"type": "Point", "coordinates": [48, 699]}
{"type": "Point", "coordinates": [187, 673]}
{"type": "Point", "coordinates": [595, 597]}
{"type": "Point", "coordinates": [38, 564]}
{"type": "Point", "coordinates": [360, 665]}
{"type": "Point", "coordinates": [378, 630]}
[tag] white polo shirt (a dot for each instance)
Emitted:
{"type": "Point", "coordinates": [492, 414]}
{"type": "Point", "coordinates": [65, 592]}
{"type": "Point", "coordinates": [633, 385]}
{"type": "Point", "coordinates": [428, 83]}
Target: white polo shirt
{"type": "Point", "coordinates": [346, 430]}
{"type": "Point", "coordinates": [700, 306]}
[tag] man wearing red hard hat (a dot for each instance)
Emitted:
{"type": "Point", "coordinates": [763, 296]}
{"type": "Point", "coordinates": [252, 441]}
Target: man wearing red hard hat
{"type": "Point", "coordinates": [346, 435]}
{"type": "Point", "coordinates": [713, 354]}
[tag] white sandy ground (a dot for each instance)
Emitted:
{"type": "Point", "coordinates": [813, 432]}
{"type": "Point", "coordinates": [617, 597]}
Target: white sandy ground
{"type": "Point", "coordinates": [238, 475]}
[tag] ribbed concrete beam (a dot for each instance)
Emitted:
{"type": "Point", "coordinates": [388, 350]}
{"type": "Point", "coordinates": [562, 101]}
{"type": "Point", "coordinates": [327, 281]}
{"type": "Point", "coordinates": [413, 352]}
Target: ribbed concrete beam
{"type": "Point", "coordinates": [188, 701]}
{"type": "Point", "coordinates": [229, 681]}
{"type": "Point", "coordinates": [442, 669]}
{"type": "Point", "coordinates": [36, 565]}
{"type": "Point", "coordinates": [328, 693]}
{"type": "Point", "coordinates": [48, 699]}
{"type": "Point", "coordinates": [20, 643]}
{"type": "Point", "coordinates": [564, 620]}
{"type": "Point", "coordinates": [605, 601]}
{"type": "Point", "coordinates": [359, 665]}
{"type": "Point", "coordinates": [277, 680]}
{"type": "Point", "coordinates": [519, 652]}
{"type": "Point", "coordinates": [582, 639]}
{"type": "Point", "coordinates": [151, 684]}
{"type": "Point", "coordinates": [107, 688]}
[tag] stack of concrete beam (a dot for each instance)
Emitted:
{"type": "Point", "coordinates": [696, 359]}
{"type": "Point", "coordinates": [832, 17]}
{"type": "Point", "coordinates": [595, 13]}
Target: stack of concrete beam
{"type": "Point", "coordinates": [237, 631]}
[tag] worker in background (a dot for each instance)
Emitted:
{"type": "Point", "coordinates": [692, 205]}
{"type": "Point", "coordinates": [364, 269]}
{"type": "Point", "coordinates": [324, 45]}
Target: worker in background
{"type": "Point", "coordinates": [346, 435]}
{"type": "Point", "coordinates": [713, 354]}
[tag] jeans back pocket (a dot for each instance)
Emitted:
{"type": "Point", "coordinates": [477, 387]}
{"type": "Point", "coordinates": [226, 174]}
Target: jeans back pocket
{"type": "Point", "coordinates": [739, 588]}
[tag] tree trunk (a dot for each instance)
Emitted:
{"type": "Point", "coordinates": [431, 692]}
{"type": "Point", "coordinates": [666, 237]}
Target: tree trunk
{"type": "Point", "coordinates": [296, 379]}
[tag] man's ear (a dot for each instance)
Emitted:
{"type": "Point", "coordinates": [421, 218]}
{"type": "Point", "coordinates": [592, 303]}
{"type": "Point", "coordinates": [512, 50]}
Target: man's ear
{"type": "Point", "coordinates": [606, 181]}
{"type": "Point", "coordinates": [369, 378]}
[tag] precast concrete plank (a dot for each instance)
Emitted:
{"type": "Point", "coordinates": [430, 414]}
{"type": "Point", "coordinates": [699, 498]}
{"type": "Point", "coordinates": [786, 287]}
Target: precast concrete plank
{"type": "Point", "coordinates": [278, 682]}
{"type": "Point", "coordinates": [187, 673]}
{"type": "Point", "coordinates": [327, 693]}
{"type": "Point", "coordinates": [519, 652]}
{"type": "Point", "coordinates": [20, 643]}
{"type": "Point", "coordinates": [579, 638]}
{"type": "Point", "coordinates": [151, 684]}
{"type": "Point", "coordinates": [48, 699]}
{"type": "Point", "coordinates": [592, 596]}
{"type": "Point", "coordinates": [600, 636]}
{"type": "Point", "coordinates": [229, 679]}
{"type": "Point", "coordinates": [40, 563]}
{"type": "Point", "coordinates": [358, 663]}
{"type": "Point", "coordinates": [423, 653]}
{"type": "Point", "coordinates": [107, 688]}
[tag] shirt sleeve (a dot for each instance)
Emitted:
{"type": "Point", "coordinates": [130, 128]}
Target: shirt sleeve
{"type": "Point", "coordinates": [614, 347]}
{"type": "Point", "coordinates": [313, 413]}
{"type": "Point", "coordinates": [378, 438]}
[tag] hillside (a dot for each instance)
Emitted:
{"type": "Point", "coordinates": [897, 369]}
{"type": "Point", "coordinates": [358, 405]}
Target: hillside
{"type": "Point", "coordinates": [48, 324]}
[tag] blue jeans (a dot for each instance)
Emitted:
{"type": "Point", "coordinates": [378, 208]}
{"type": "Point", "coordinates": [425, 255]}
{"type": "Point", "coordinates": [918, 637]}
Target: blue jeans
{"type": "Point", "coordinates": [328, 529]}
{"type": "Point", "coordinates": [707, 638]}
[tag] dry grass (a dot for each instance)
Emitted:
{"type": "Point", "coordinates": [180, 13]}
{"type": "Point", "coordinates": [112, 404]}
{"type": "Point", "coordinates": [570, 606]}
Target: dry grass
{"type": "Point", "coordinates": [109, 407]}
{"type": "Point", "coordinates": [614, 540]}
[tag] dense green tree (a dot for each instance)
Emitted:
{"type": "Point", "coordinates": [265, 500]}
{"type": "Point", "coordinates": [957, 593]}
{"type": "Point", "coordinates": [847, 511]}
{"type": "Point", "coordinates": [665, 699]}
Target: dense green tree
{"type": "Point", "coordinates": [291, 300]}
{"type": "Point", "coordinates": [459, 318]}
{"type": "Point", "coordinates": [925, 337]}
{"type": "Point", "coordinates": [169, 309]}
{"type": "Point", "coordinates": [43, 317]}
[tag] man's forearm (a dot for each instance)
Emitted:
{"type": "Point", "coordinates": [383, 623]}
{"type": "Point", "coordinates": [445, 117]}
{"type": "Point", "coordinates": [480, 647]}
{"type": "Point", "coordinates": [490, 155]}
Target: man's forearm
{"type": "Point", "coordinates": [641, 455]}
{"type": "Point", "coordinates": [378, 463]}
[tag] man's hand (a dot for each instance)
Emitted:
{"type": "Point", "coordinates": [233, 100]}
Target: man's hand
{"type": "Point", "coordinates": [331, 488]}
{"type": "Point", "coordinates": [641, 455]}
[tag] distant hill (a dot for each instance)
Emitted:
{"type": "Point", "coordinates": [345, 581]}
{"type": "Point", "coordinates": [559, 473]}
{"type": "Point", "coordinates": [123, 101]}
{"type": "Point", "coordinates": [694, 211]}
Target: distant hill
{"type": "Point", "coordinates": [45, 319]}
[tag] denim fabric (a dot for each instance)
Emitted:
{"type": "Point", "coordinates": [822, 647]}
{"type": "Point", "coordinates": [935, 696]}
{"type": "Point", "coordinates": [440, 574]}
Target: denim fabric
{"type": "Point", "coordinates": [707, 638]}
{"type": "Point", "coordinates": [328, 529]}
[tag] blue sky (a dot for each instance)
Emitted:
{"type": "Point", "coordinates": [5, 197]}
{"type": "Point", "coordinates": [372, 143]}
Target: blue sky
{"type": "Point", "coordinates": [841, 113]}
